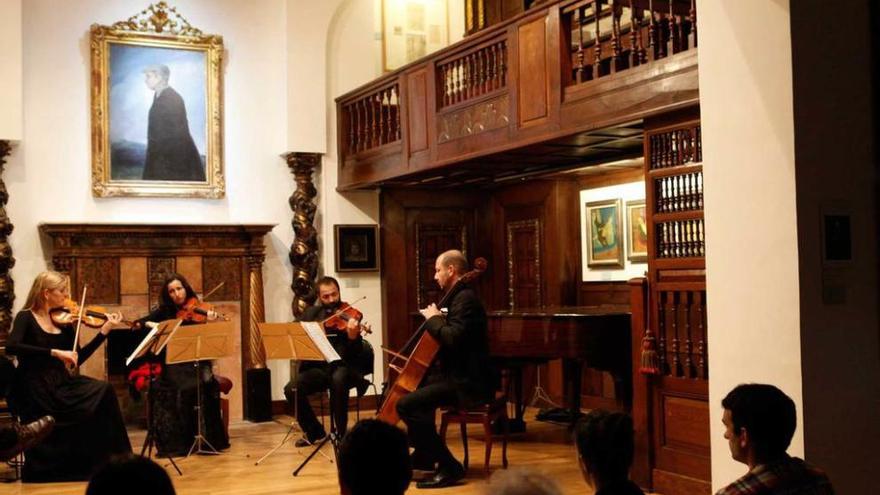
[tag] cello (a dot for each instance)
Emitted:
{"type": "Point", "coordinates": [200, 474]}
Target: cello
{"type": "Point", "coordinates": [424, 350]}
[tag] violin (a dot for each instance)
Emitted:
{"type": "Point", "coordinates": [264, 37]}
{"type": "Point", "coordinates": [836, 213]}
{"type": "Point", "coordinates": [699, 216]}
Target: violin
{"type": "Point", "coordinates": [339, 320]}
{"type": "Point", "coordinates": [69, 314]}
{"type": "Point", "coordinates": [195, 311]}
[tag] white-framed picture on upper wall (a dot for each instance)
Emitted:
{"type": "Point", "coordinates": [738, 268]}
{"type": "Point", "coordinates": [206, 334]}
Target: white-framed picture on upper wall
{"type": "Point", "coordinates": [157, 107]}
{"type": "Point", "coordinates": [412, 29]}
{"type": "Point", "coordinates": [604, 229]}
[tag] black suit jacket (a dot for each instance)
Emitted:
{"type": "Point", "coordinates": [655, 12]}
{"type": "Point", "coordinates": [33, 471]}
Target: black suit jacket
{"type": "Point", "coordinates": [464, 338]}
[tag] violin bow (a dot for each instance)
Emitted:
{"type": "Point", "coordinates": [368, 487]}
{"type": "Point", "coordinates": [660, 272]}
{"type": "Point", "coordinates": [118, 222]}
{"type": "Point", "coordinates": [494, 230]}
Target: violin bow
{"type": "Point", "coordinates": [212, 291]}
{"type": "Point", "coordinates": [340, 310]}
{"type": "Point", "coordinates": [82, 309]}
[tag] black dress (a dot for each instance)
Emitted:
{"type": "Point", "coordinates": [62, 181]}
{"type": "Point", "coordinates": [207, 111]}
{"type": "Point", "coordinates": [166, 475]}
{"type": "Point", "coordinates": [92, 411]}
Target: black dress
{"type": "Point", "coordinates": [174, 398]}
{"type": "Point", "coordinates": [88, 425]}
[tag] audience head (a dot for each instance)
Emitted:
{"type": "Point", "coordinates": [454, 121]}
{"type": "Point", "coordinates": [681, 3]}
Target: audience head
{"type": "Point", "coordinates": [759, 422]}
{"type": "Point", "coordinates": [47, 290]}
{"type": "Point", "coordinates": [374, 460]}
{"type": "Point", "coordinates": [521, 481]}
{"type": "Point", "coordinates": [130, 474]}
{"type": "Point", "coordinates": [605, 447]}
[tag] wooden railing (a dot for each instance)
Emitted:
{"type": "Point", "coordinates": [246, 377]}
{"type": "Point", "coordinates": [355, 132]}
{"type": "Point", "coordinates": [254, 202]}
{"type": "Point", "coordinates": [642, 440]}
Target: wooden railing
{"type": "Point", "coordinates": [608, 36]}
{"type": "Point", "coordinates": [681, 333]}
{"type": "Point", "coordinates": [373, 120]}
{"type": "Point", "coordinates": [534, 77]}
{"type": "Point", "coordinates": [474, 73]}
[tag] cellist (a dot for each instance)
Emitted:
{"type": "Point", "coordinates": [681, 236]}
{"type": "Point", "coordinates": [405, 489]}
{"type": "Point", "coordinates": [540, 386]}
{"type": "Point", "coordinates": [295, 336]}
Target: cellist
{"type": "Point", "coordinates": [465, 378]}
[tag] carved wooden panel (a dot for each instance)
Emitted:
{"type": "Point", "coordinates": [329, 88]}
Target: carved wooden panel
{"type": "Point", "coordinates": [533, 77]}
{"type": "Point", "coordinates": [158, 269]}
{"type": "Point", "coordinates": [226, 269]}
{"type": "Point", "coordinates": [101, 275]}
{"type": "Point", "coordinates": [431, 240]}
{"type": "Point", "coordinates": [524, 263]}
{"type": "Point", "coordinates": [417, 110]}
{"type": "Point", "coordinates": [473, 120]}
{"type": "Point", "coordinates": [685, 424]}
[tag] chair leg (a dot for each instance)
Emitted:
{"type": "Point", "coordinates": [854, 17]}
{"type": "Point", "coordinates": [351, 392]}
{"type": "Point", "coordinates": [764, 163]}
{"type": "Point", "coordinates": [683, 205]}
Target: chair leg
{"type": "Point", "coordinates": [464, 441]}
{"type": "Point", "coordinates": [487, 433]}
{"type": "Point", "coordinates": [444, 424]}
{"type": "Point", "coordinates": [505, 430]}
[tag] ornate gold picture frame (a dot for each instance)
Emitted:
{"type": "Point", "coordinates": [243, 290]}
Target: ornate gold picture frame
{"type": "Point", "coordinates": [157, 108]}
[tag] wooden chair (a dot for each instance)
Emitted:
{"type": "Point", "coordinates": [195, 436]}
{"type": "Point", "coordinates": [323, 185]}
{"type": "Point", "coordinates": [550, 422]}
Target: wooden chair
{"type": "Point", "coordinates": [485, 415]}
{"type": "Point", "coordinates": [225, 386]}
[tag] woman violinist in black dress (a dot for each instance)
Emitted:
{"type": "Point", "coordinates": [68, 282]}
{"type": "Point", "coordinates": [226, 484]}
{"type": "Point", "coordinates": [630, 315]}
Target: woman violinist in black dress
{"type": "Point", "coordinates": [89, 428]}
{"type": "Point", "coordinates": [174, 395]}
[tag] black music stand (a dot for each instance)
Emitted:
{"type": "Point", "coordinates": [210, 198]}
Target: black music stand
{"type": "Point", "coordinates": [301, 341]}
{"type": "Point", "coordinates": [153, 343]}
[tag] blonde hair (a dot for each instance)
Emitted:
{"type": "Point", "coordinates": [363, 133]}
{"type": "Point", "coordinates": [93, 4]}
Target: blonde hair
{"type": "Point", "coordinates": [47, 280]}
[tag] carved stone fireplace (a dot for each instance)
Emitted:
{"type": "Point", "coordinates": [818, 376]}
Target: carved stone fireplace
{"type": "Point", "coordinates": [124, 266]}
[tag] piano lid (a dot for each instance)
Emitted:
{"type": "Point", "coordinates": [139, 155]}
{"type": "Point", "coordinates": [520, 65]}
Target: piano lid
{"type": "Point", "coordinates": [562, 311]}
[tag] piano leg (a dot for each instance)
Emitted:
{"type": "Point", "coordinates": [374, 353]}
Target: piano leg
{"type": "Point", "coordinates": [572, 370]}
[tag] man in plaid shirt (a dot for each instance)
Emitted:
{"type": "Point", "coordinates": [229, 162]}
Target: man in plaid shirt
{"type": "Point", "coordinates": [760, 421]}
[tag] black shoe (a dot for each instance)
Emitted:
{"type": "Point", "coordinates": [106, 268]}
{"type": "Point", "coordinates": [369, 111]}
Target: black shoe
{"type": "Point", "coordinates": [445, 477]}
{"type": "Point", "coordinates": [28, 436]}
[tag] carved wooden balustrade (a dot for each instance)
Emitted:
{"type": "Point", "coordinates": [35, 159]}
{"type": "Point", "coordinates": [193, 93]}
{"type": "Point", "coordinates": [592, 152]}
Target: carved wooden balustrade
{"type": "Point", "coordinates": [624, 34]}
{"type": "Point", "coordinates": [554, 72]}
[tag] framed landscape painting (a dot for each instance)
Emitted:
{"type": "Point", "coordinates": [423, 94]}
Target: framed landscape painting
{"type": "Point", "coordinates": [157, 106]}
{"type": "Point", "coordinates": [604, 241]}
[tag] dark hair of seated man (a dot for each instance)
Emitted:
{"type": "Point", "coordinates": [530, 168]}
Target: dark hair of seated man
{"type": "Point", "coordinates": [374, 459]}
{"type": "Point", "coordinates": [605, 452]}
{"type": "Point", "coordinates": [132, 475]}
{"type": "Point", "coordinates": [760, 421]}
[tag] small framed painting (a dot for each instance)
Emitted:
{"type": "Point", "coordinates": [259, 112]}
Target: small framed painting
{"type": "Point", "coordinates": [604, 241]}
{"type": "Point", "coordinates": [636, 232]}
{"type": "Point", "coordinates": [357, 248]}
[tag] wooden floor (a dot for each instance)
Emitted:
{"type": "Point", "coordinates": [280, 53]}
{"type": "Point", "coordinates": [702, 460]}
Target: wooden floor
{"type": "Point", "coordinates": [545, 447]}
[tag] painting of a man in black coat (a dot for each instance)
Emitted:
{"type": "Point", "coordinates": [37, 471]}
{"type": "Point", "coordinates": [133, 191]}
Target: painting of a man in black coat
{"type": "Point", "coordinates": [171, 152]}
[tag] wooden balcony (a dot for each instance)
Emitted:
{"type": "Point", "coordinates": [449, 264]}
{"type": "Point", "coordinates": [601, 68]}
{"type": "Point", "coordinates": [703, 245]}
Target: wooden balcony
{"type": "Point", "coordinates": [566, 83]}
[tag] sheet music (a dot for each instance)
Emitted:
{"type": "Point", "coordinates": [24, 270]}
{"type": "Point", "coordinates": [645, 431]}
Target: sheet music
{"type": "Point", "coordinates": [316, 333]}
{"type": "Point", "coordinates": [144, 343]}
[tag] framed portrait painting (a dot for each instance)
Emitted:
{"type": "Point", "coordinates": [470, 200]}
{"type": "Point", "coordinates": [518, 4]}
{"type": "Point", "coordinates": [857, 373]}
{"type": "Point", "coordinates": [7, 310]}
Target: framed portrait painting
{"type": "Point", "coordinates": [356, 248]}
{"type": "Point", "coordinates": [157, 107]}
{"type": "Point", "coordinates": [604, 241]}
{"type": "Point", "coordinates": [636, 232]}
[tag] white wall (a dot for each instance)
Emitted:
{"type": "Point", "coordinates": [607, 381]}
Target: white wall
{"type": "Point", "coordinates": [10, 61]}
{"type": "Point", "coordinates": [751, 236]}
{"type": "Point", "coordinates": [353, 53]}
{"type": "Point", "coordinates": [626, 192]}
{"type": "Point", "coordinates": [49, 177]}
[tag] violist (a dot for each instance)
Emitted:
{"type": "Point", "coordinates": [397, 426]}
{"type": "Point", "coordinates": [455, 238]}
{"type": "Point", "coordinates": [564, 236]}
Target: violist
{"type": "Point", "coordinates": [339, 376]}
{"type": "Point", "coordinates": [174, 395]}
{"type": "Point", "coordinates": [89, 426]}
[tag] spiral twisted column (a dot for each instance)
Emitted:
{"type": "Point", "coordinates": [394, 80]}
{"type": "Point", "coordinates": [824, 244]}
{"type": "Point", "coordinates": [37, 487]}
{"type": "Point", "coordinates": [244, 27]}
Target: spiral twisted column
{"type": "Point", "coordinates": [7, 288]}
{"type": "Point", "coordinates": [257, 310]}
{"type": "Point", "coordinates": [304, 250]}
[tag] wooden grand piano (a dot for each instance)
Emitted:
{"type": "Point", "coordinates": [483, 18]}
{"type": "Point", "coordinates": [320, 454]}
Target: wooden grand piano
{"type": "Point", "coordinates": [595, 336]}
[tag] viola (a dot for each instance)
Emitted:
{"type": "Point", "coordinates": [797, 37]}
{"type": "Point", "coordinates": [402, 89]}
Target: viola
{"type": "Point", "coordinates": [339, 320]}
{"type": "Point", "coordinates": [69, 314]}
{"type": "Point", "coordinates": [195, 311]}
